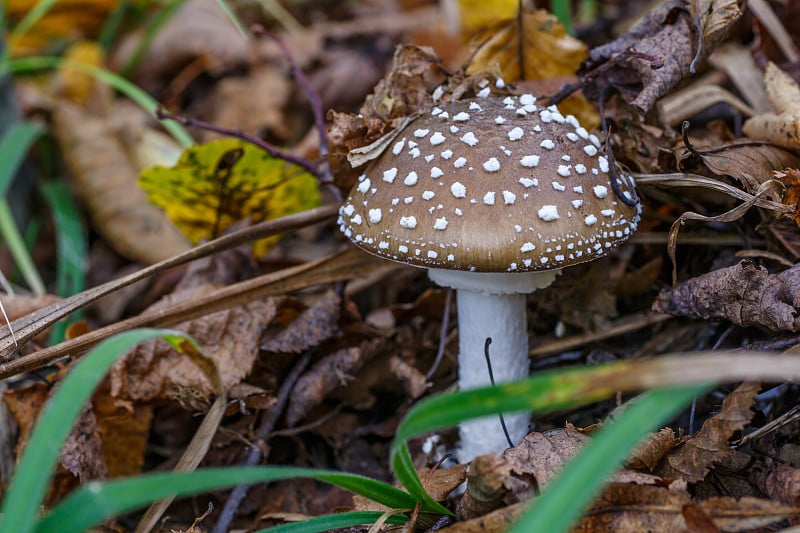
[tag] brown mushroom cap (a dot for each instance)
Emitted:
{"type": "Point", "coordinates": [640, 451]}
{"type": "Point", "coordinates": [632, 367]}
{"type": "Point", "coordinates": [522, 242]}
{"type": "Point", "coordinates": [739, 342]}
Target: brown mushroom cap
{"type": "Point", "coordinates": [490, 185]}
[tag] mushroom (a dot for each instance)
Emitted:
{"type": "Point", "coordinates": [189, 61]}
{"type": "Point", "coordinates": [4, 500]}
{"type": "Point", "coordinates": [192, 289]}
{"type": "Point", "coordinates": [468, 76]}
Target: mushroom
{"type": "Point", "coordinates": [494, 196]}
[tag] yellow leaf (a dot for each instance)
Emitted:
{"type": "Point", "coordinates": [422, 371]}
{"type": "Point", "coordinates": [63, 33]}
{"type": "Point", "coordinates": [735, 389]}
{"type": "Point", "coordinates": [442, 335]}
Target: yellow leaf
{"type": "Point", "coordinates": [478, 14]}
{"type": "Point", "coordinates": [548, 52]}
{"type": "Point", "coordinates": [217, 184]}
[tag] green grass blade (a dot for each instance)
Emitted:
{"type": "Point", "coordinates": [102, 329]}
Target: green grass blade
{"type": "Point", "coordinates": [9, 233]}
{"type": "Point", "coordinates": [144, 100]}
{"type": "Point", "coordinates": [97, 501]}
{"type": "Point", "coordinates": [71, 247]}
{"type": "Point", "coordinates": [320, 524]}
{"type": "Point", "coordinates": [14, 146]}
{"type": "Point", "coordinates": [566, 498]}
{"type": "Point", "coordinates": [20, 506]}
{"type": "Point", "coordinates": [233, 18]}
{"type": "Point", "coordinates": [545, 392]}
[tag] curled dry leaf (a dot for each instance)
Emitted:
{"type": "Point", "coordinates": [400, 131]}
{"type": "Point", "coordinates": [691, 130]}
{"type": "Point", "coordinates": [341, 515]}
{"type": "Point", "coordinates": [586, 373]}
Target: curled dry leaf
{"type": "Point", "coordinates": [105, 179]}
{"type": "Point", "coordinates": [313, 326]}
{"type": "Point", "coordinates": [783, 126]}
{"type": "Point", "coordinates": [652, 450]}
{"type": "Point", "coordinates": [328, 374]}
{"type": "Point", "coordinates": [692, 460]}
{"type": "Point", "coordinates": [653, 56]}
{"type": "Point", "coordinates": [487, 486]}
{"type": "Point", "coordinates": [745, 294]}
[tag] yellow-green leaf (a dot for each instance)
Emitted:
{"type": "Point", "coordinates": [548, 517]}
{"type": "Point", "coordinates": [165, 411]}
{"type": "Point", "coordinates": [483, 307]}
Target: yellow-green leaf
{"type": "Point", "coordinates": [223, 182]}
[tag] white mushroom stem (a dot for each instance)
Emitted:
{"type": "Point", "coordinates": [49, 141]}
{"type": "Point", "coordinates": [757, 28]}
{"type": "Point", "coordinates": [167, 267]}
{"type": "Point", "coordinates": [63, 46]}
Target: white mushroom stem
{"type": "Point", "coordinates": [491, 305]}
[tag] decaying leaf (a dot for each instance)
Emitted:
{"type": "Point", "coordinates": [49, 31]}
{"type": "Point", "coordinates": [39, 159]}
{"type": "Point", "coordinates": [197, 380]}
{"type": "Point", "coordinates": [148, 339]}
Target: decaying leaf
{"type": "Point", "coordinates": [227, 181]}
{"type": "Point", "coordinates": [781, 127]}
{"type": "Point", "coordinates": [650, 452]}
{"type": "Point", "coordinates": [692, 460]}
{"type": "Point", "coordinates": [745, 294]}
{"type": "Point", "coordinates": [330, 373]}
{"type": "Point", "coordinates": [315, 325]}
{"type": "Point", "coordinates": [657, 53]}
{"type": "Point", "coordinates": [750, 164]}
{"type": "Point", "coordinates": [105, 178]}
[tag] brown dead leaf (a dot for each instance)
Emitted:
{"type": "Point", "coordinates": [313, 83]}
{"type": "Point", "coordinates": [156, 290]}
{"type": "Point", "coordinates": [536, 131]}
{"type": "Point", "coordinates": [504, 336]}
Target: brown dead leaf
{"type": "Point", "coordinates": [25, 404]}
{"type": "Point", "coordinates": [781, 127]}
{"type": "Point", "coordinates": [749, 164]}
{"type": "Point", "coordinates": [692, 460]}
{"type": "Point", "coordinates": [653, 56]}
{"type": "Point", "coordinates": [124, 432]}
{"type": "Point", "coordinates": [155, 370]}
{"type": "Point", "coordinates": [334, 371]}
{"type": "Point", "coordinates": [105, 179]}
{"type": "Point", "coordinates": [652, 450]}
{"type": "Point", "coordinates": [315, 325]}
{"type": "Point", "coordinates": [745, 294]}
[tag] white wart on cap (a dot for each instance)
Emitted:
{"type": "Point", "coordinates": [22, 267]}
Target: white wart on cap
{"type": "Point", "coordinates": [490, 185]}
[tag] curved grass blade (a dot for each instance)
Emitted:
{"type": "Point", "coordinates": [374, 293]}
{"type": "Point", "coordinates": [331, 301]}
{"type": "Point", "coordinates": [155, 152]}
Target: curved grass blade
{"type": "Point", "coordinates": [71, 248]}
{"type": "Point", "coordinates": [144, 100]}
{"type": "Point", "coordinates": [565, 499]}
{"type": "Point", "coordinates": [20, 506]}
{"type": "Point", "coordinates": [97, 501]}
{"type": "Point", "coordinates": [321, 524]}
{"type": "Point", "coordinates": [31, 18]}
